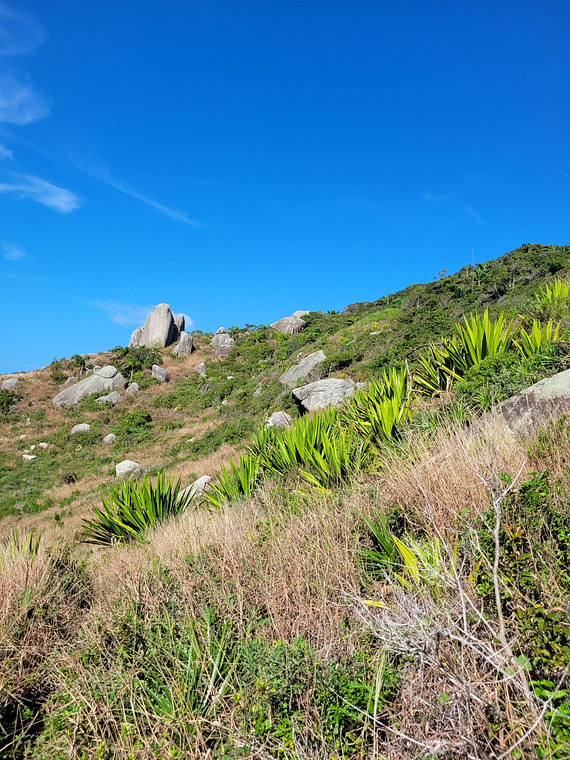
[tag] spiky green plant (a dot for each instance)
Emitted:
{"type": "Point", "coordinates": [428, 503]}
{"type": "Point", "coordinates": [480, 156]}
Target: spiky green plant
{"type": "Point", "coordinates": [340, 458]}
{"type": "Point", "coordinates": [476, 339]}
{"type": "Point", "coordinates": [553, 300]}
{"type": "Point", "coordinates": [131, 507]}
{"type": "Point", "coordinates": [236, 482]}
{"type": "Point", "coordinates": [539, 336]}
{"type": "Point", "coordinates": [27, 545]}
{"type": "Point", "coordinates": [377, 412]}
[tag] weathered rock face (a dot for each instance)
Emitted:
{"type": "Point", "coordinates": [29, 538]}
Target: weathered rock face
{"type": "Point", "coordinates": [126, 467]}
{"type": "Point", "coordinates": [322, 393]}
{"type": "Point", "coordinates": [184, 346]}
{"type": "Point", "coordinates": [159, 329]}
{"type": "Point", "coordinates": [289, 325]}
{"type": "Point", "coordinates": [9, 384]}
{"type": "Point", "coordinates": [70, 381]}
{"type": "Point", "coordinates": [159, 373]}
{"type": "Point", "coordinates": [179, 324]}
{"type": "Point", "coordinates": [83, 427]}
{"type": "Point", "coordinates": [300, 313]}
{"type": "Point", "coordinates": [102, 380]}
{"type": "Point", "coordinates": [533, 407]}
{"type": "Point", "coordinates": [305, 370]}
{"type": "Point", "coordinates": [201, 369]}
{"type": "Point", "coordinates": [198, 487]}
{"type": "Point", "coordinates": [110, 398]}
{"type": "Point", "coordinates": [222, 343]}
{"type": "Point", "coordinates": [279, 420]}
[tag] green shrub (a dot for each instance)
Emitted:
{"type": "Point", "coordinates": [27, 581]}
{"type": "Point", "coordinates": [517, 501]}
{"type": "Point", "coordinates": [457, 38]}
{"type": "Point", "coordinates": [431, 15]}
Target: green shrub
{"type": "Point", "coordinates": [130, 508]}
{"type": "Point", "coordinates": [133, 427]}
{"type": "Point", "coordinates": [8, 399]}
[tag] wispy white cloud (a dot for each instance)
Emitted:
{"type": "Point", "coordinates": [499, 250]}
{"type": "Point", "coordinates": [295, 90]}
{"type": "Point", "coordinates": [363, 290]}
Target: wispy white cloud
{"type": "Point", "coordinates": [478, 218]}
{"type": "Point", "coordinates": [19, 33]}
{"type": "Point", "coordinates": [36, 189]}
{"type": "Point", "coordinates": [12, 252]}
{"type": "Point", "coordinates": [124, 313]}
{"type": "Point", "coordinates": [101, 173]}
{"type": "Point", "coordinates": [5, 153]}
{"type": "Point", "coordinates": [188, 322]}
{"type": "Point", "coordinates": [436, 197]}
{"type": "Point", "coordinates": [19, 102]}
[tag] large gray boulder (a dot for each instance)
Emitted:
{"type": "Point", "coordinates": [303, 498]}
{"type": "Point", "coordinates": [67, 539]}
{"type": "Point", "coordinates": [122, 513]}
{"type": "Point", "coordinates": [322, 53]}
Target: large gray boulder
{"type": "Point", "coordinates": [179, 324]}
{"type": "Point", "coordinates": [184, 346]}
{"type": "Point", "coordinates": [289, 325]}
{"type": "Point", "coordinates": [533, 407]}
{"type": "Point", "coordinates": [300, 313]}
{"type": "Point", "coordinates": [279, 420]}
{"type": "Point", "coordinates": [222, 343]}
{"type": "Point", "coordinates": [159, 329]}
{"type": "Point", "coordinates": [9, 384]}
{"type": "Point", "coordinates": [322, 393]}
{"type": "Point", "coordinates": [160, 374]}
{"type": "Point", "coordinates": [304, 371]}
{"type": "Point", "coordinates": [102, 380]}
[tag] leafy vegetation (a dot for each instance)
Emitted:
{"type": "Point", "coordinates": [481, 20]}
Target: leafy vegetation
{"type": "Point", "coordinates": [130, 508]}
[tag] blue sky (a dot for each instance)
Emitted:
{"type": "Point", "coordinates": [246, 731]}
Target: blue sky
{"type": "Point", "coordinates": [241, 159]}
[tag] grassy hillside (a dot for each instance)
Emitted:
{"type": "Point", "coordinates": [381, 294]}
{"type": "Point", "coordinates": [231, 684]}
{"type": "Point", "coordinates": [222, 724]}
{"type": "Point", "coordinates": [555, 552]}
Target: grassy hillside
{"type": "Point", "coordinates": [391, 587]}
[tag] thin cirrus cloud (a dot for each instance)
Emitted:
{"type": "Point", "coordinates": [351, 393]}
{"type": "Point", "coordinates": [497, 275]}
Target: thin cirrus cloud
{"type": "Point", "coordinates": [19, 33]}
{"type": "Point", "coordinates": [12, 252]}
{"type": "Point", "coordinates": [19, 103]}
{"type": "Point", "coordinates": [124, 314]}
{"type": "Point", "coordinates": [5, 154]}
{"type": "Point", "coordinates": [102, 174]}
{"type": "Point", "coordinates": [39, 190]}
{"type": "Point", "coordinates": [478, 218]}
{"type": "Point", "coordinates": [436, 197]}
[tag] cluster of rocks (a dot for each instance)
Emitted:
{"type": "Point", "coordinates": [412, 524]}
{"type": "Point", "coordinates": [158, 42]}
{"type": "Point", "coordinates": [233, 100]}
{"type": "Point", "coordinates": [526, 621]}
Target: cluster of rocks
{"type": "Point", "coordinates": [222, 343]}
{"type": "Point", "coordinates": [291, 325]}
{"type": "Point", "coordinates": [105, 380]}
{"type": "Point", "coordinates": [161, 328]}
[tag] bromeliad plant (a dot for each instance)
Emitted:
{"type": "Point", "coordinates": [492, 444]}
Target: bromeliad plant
{"type": "Point", "coordinates": [553, 300]}
{"type": "Point", "coordinates": [131, 507]}
{"type": "Point", "coordinates": [478, 338]}
{"type": "Point", "coordinates": [377, 413]}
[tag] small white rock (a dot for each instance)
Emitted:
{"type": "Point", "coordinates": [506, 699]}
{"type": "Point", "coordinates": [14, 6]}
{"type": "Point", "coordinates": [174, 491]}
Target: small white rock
{"type": "Point", "coordinates": [110, 438]}
{"type": "Point", "coordinates": [22, 437]}
{"type": "Point", "coordinates": [28, 457]}
{"type": "Point", "coordinates": [159, 373]}
{"type": "Point", "coordinates": [126, 467]}
{"type": "Point", "coordinates": [32, 448]}
{"type": "Point", "coordinates": [43, 445]}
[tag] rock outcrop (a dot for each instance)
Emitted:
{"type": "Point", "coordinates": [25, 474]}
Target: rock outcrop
{"type": "Point", "coordinates": [160, 374]}
{"type": "Point", "coordinates": [322, 393]}
{"type": "Point", "coordinates": [9, 384]}
{"type": "Point", "coordinates": [110, 398]}
{"type": "Point", "coordinates": [126, 467]}
{"type": "Point", "coordinates": [300, 313]}
{"type": "Point", "coordinates": [83, 427]}
{"type": "Point", "coordinates": [198, 487]}
{"type": "Point", "coordinates": [159, 329]}
{"type": "Point", "coordinates": [184, 346]}
{"type": "Point", "coordinates": [179, 325]}
{"type": "Point", "coordinates": [279, 420]}
{"type": "Point", "coordinates": [304, 371]}
{"type": "Point", "coordinates": [103, 380]}
{"type": "Point", "coordinates": [222, 343]}
{"type": "Point", "coordinates": [289, 325]}
{"type": "Point", "coordinates": [533, 407]}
